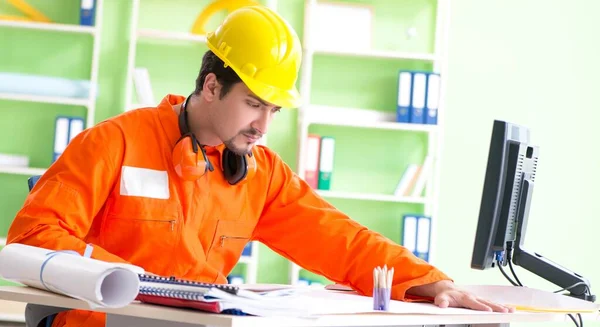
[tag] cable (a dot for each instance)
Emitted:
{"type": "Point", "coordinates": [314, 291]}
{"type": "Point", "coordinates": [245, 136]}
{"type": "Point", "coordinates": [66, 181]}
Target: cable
{"type": "Point", "coordinates": [575, 321]}
{"type": "Point", "coordinates": [505, 275]}
{"type": "Point", "coordinates": [513, 271]}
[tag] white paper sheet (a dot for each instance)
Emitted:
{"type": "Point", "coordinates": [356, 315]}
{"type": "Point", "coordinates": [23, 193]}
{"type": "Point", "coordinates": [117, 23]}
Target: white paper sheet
{"type": "Point", "coordinates": [531, 299]}
{"type": "Point", "coordinates": [328, 302]}
{"type": "Point", "coordinates": [101, 284]}
{"type": "Point", "coordinates": [322, 301]}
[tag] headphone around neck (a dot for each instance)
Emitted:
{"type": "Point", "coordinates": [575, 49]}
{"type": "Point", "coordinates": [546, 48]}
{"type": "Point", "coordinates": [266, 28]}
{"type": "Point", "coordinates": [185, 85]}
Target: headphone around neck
{"type": "Point", "coordinates": [190, 160]}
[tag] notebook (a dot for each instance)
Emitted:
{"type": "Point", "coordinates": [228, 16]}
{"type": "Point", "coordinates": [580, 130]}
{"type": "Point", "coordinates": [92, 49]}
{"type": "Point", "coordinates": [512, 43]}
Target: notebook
{"type": "Point", "coordinates": [181, 288]}
{"type": "Point", "coordinates": [213, 298]}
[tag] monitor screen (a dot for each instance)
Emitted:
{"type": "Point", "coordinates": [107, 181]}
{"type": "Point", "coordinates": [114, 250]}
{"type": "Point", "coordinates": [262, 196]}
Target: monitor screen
{"type": "Point", "coordinates": [497, 209]}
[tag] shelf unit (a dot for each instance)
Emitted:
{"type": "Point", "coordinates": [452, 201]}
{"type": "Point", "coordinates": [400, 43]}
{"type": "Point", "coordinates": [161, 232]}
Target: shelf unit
{"type": "Point", "coordinates": [363, 118]}
{"type": "Point", "coordinates": [89, 103]}
{"type": "Point", "coordinates": [136, 35]}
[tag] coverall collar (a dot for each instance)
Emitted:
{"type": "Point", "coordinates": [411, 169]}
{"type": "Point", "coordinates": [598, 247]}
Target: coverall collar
{"type": "Point", "coordinates": [170, 123]}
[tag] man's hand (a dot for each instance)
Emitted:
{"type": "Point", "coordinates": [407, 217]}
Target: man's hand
{"type": "Point", "coordinates": [446, 294]}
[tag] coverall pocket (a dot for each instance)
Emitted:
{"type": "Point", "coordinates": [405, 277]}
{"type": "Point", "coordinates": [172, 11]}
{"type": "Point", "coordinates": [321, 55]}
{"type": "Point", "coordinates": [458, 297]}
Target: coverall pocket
{"type": "Point", "coordinates": [143, 231]}
{"type": "Point", "coordinates": [229, 240]}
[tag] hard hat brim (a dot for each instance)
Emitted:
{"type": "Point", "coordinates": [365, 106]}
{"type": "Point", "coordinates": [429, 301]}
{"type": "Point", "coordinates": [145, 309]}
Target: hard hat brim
{"type": "Point", "coordinates": [282, 98]}
{"type": "Point", "coordinates": [285, 98]}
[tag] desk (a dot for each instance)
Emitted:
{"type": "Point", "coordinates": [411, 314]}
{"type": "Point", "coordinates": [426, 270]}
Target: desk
{"type": "Point", "coordinates": [12, 311]}
{"type": "Point", "coordinates": [147, 315]}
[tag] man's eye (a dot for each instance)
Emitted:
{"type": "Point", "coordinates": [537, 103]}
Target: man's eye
{"type": "Point", "coordinates": [276, 109]}
{"type": "Point", "coordinates": [254, 105]}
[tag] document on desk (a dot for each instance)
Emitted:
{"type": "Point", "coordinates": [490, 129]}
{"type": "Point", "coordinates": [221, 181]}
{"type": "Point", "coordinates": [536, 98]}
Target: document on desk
{"type": "Point", "coordinates": [316, 302]}
{"type": "Point", "coordinates": [284, 301]}
{"type": "Point", "coordinates": [531, 299]}
{"type": "Point", "coordinates": [329, 302]}
{"type": "Point", "coordinates": [99, 283]}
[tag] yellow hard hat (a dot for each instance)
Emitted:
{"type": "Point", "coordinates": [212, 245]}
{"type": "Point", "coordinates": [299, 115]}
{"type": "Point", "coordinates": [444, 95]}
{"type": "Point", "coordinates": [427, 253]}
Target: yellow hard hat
{"type": "Point", "coordinates": [264, 50]}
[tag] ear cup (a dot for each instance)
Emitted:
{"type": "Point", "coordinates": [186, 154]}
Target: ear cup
{"type": "Point", "coordinates": [236, 168]}
{"type": "Point", "coordinates": [189, 158]}
{"type": "Point", "coordinates": [189, 163]}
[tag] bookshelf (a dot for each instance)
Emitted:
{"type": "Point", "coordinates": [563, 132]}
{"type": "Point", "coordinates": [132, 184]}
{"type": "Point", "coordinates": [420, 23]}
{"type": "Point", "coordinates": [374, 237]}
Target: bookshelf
{"type": "Point", "coordinates": [88, 103]}
{"type": "Point", "coordinates": [162, 82]}
{"type": "Point", "coordinates": [327, 116]}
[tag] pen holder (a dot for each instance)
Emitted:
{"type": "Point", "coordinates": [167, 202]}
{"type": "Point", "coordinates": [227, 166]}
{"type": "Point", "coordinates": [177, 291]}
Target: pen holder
{"type": "Point", "coordinates": [382, 286]}
{"type": "Point", "coordinates": [381, 299]}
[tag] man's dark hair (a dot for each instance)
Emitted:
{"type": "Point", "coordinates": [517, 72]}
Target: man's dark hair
{"type": "Point", "coordinates": [213, 64]}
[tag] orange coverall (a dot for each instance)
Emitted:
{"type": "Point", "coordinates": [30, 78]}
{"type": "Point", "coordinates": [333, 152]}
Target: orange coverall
{"type": "Point", "coordinates": [115, 187]}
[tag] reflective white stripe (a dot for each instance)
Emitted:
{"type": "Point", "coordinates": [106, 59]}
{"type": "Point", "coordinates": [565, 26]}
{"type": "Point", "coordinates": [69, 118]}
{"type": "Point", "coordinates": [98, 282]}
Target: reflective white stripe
{"type": "Point", "coordinates": [144, 182]}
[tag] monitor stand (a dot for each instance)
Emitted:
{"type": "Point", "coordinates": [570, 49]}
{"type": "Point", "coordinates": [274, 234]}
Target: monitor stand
{"type": "Point", "coordinates": [575, 284]}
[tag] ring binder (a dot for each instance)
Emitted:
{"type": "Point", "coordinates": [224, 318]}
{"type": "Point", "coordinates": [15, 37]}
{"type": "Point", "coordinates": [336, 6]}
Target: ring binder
{"type": "Point", "coordinates": [202, 288]}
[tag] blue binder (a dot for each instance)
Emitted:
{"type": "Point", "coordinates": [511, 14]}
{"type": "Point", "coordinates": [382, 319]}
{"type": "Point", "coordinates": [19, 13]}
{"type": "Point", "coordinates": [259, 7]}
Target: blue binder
{"type": "Point", "coordinates": [416, 235]}
{"type": "Point", "coordinates": [418, 96]}
{"type": "Point", "coordinates": [65, 129]}
{"type": "Point", "coordinates": [423, 237]}
{"type": "Point", "coordinates": [433, 98]}
{"type": "Point", "coordinates": [404, 96]}
{"type": "Point", "coordinates": [87, 12]}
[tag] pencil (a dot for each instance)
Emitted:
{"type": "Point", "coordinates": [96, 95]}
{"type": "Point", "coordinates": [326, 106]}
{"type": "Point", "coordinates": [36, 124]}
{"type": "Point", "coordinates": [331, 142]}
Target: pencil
{"type": "Point", "coordinates": [375, 278]}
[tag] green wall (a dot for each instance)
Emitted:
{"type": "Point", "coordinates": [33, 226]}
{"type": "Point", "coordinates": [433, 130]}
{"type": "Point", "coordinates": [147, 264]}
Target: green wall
{"type": "Point", "coordinates": [532, 62]}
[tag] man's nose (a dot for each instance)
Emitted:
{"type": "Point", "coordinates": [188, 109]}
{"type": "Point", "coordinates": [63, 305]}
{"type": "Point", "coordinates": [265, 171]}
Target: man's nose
{"type": "Point", "coordinates": [262, 122]}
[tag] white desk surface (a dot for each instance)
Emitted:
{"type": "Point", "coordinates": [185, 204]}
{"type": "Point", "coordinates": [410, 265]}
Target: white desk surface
{"type": "Point", "coordinates": [32, 295]}
{"type": "Point", "coordinates": [12, 311]}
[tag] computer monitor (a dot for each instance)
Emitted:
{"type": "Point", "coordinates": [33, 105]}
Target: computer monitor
{"type": "Point", "coordinates": [504, 210]}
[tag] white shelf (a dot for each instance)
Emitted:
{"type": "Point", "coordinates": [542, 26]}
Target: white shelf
{"type": "Point", "coordinates": [70, 28]}
{"type": "Point", "coordinates": [371, 197]}
{"type": "Point", "coordinates": [22, 170]}
{"type": "Point", "coordinates": [377, 125]}
{"type": "Point", "coordinates": [361, 118]}
{"type": "Point", "coordinates": [164, 35]}
{"type": "Point", "coordinates": [378, 54]}
{"type": "Point", "coordinates": [45, 99]}
{"type": "Point", "coordinates": [2, 241]}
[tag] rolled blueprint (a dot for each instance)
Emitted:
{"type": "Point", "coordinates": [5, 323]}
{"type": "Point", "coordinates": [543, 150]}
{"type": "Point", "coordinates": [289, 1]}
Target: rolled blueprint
{"type": "Point", "coordinates": [100, 283]}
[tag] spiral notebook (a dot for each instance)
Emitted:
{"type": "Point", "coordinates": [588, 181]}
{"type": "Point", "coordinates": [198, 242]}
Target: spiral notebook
{"type": "Point", "coordinates": [181, 288]}
{"type": "Point", "coordinates": [214, 298]}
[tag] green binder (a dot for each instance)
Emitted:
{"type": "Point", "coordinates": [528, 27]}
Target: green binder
{"type": "Point", "coordinates": [326, 162]}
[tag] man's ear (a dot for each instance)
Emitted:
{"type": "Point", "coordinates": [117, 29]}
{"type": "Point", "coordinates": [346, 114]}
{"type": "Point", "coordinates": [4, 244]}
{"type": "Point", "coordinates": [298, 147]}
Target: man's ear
{"type": "Point", "coordinates": [211, 87]}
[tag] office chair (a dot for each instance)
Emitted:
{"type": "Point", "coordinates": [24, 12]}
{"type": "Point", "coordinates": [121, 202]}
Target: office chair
{"type": "Point", "coordinates": [37, 315]}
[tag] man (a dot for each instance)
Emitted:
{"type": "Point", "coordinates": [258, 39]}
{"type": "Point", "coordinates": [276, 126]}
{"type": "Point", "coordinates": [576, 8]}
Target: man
{"type": "Point", "coordinates": [179, 189]}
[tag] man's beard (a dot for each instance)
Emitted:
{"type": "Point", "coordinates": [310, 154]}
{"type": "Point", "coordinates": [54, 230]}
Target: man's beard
{"type": "Point", "coordinates": [230, 144]}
